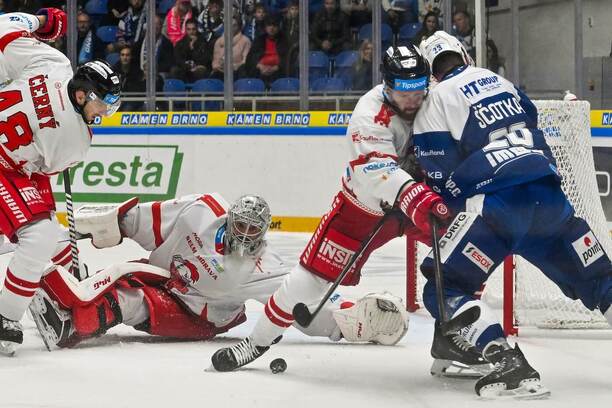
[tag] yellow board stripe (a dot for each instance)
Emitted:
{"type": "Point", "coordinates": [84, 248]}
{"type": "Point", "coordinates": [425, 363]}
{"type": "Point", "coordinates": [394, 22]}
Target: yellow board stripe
{"type": "Point", "coordinates": [284, 224]}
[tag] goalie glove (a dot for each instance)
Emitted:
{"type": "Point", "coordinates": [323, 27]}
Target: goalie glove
{"type": "Point", "coordinates": [377, 317]}
{"type": "Point", "coordinates": [55, 24]}
{"type": "Point", "coordinates": [101, 222]}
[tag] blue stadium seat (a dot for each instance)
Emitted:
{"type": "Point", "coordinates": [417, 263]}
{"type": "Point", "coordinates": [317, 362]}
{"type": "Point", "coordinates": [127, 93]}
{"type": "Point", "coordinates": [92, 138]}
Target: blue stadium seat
{"type": "Point", "coordinates": [408, 31]}
{"type": "Point", "coordinates": [346, 58]}
{"type": "Point", "coordinates": [212, 87]}
{"type": "Point", "coordinates": [112, 58]}
{"type": "Point", "coordinates": [328, 85]}
{"type": "Point", "coordinates": [107, 34]}
{"type": "Point", "coordinates": [318, 63]}
{"type": "Point", "coordinates": [343, 67]}
{"type": "Point", "coordinates": [174, 85]}
{"type": "Point", "coordinates": [386, 34]}
{"type": "Point", "coordinates": [285, 85]}
{"type": "Point", "coordinates": [164, 6]}
{"type": "Point", "coordinates": [249, 85]}
{"type": "Point", "coordinates": [96, 7]}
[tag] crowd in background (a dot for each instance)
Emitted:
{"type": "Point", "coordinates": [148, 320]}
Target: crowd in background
{"type": "Point", "coordinates": [265, 37]}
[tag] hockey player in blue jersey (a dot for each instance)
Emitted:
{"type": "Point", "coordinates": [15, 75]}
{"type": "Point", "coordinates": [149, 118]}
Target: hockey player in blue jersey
{"type": "Point", "coordinates": [477, 139]}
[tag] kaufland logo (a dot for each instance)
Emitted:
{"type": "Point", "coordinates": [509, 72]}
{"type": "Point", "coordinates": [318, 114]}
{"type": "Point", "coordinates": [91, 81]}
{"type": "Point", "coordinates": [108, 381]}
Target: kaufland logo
{"type": "Point", "coordinates": [115, 173]}
{"type": "Point", "coordinates": [588, 248]}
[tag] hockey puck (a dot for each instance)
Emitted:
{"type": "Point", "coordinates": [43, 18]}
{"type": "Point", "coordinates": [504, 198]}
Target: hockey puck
{"type": "Point", "coordinates": [278, 365]}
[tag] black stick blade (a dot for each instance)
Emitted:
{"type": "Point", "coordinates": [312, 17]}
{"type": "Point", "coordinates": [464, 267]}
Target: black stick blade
{"type": "Point", "coordinates": [465, 319]}
{"type": "Point", "coordinates": [302, 315]}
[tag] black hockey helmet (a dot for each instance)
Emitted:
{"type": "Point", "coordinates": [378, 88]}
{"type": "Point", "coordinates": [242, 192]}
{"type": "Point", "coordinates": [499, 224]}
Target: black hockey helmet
{"type": "Point", "coordinates": [404, 68]}
{"type": "Point", "coordinates": [100, 83]}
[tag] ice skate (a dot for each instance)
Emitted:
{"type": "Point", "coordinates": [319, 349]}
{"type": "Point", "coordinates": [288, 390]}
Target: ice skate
{"type": "Point", "coordinates": [238, 355]}
{"type": "Point", "coordinates": [11, 336]}
{"type": "Point", "coordinates": [53, 323]}
{"type": "Point", "coordinates": [456, 357]}
{"type": "Point", "coordinates": [512, 376]}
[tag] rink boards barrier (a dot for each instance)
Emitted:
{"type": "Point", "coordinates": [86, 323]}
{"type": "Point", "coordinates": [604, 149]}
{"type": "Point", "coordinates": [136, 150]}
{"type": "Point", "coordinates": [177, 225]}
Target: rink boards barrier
{"type": "Point", "coordinates": [295, 160]}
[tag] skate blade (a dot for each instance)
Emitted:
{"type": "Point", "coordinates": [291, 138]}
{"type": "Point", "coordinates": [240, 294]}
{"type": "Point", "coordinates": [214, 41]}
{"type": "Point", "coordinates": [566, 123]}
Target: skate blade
{"type": "Point", "coordinates": [453, 369]}
{"type": "Point", "coordinates": [8, 348]}
{"type": "Point", "coordinates": [529, 389]}
{"type": "Point", "coordinates": [37, 309]}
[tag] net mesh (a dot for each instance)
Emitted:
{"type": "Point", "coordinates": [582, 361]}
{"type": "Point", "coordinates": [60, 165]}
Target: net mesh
{"type": "Point", "coordinates": [538, 302]}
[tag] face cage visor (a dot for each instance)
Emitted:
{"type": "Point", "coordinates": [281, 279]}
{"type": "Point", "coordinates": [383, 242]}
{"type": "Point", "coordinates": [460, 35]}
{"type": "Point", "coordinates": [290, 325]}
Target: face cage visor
{"type": "Point", "coordinates": [246, 234]}
{"type": "Point", "coordinates": [110, 104]}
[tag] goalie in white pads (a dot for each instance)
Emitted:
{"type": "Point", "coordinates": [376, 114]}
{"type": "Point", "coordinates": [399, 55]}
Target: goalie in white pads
{"type": "Point", "coordinates": [207, 258]}
{"type": "Point", "coordinates": [45, 110]}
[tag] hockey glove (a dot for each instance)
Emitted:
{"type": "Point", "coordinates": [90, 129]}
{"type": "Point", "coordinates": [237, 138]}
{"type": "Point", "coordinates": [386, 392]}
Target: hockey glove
{"type": "Point", "coordinates": [55, 24]}
{"type": "Point", "coordinates": [418, 201]}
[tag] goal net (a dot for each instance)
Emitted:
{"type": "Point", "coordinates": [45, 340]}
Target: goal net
{"type": "Point", "coordinates": [526, 296]}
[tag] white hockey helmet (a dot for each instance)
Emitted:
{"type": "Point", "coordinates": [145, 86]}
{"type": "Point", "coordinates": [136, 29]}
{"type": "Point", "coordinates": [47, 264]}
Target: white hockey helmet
{"type": "Point", "coordinates": [248, 221]}
{"type": "Point", "coordinates": [441, 42]}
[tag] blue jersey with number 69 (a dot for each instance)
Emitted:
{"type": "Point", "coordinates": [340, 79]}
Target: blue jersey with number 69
{"type": "Point", "coordinates": [477, 133]}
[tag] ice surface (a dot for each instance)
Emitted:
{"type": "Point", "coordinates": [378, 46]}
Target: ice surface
{"type": "Point", "coordinates": [126, 368]}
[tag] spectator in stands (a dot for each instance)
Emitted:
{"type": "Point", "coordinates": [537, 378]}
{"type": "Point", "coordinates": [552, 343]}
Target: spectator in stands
{"type": "Point", "coordinates": [89, 46]}
{"type": "Point", "coordinates": [192, 55]}
{"type": "Point", "coordinates": [362, 70]}
{"type": "Point", "coordinates": [2, 11]}
{"type": "Point", "coordinates": [400, 12]}
{"type": "Point", "coordinates": [164, 51]}
{"type": "Point", "coordinates": [132, 77]}
{"type": "Point", "coordinates": [131, 27]}
{"type": "Point", "coordinates": [176, 19]}
{"type": "Point", "coordinates": [464, 31]}
{"type": "Point", "coordinates": [254, 26]}
{"type": "Point", "coordinates": [116, 11]}
{"type": "Point", "coordinates": [429, 6]}
{"type": "Point", "coordinates": [241, 46]}
{"type": "Point", "coordinates": [430, 26]}
{"type": "Point", "coordinates": [267, 59]}
{"type": "Point", "coordinates": [359, 12]}
{"type": "Point", "coordinates": [290, 27]}
{"type": "Point", "coordinates": [210, 20]}
{"type": "Point", "coordinates": [330, 29]}
{"type": "Point", "coordinates": [494, 62]}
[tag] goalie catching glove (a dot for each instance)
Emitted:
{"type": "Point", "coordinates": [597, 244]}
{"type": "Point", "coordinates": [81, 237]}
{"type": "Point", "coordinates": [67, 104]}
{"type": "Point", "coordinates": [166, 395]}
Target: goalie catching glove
{"type": "Point", "coordinates": [377, 317]}
{"type": "Point", "coordinates": [101, 222]}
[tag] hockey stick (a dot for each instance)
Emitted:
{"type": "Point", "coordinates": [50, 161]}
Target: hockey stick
{"type": "Point", "coordinates": [466, 317]}
{"type": "Point", "coordinates": [71, 226]}
{"type": "Point", "coordinates": [301, 313]}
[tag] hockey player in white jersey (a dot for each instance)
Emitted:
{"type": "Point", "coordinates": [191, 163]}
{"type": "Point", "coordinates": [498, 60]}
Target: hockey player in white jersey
{"type": "Point", "coordinates": [44, 113]}
{"type": "Point", "coordinates": [478, 140]}
{"type": "Point", "coordinates": [207, 258]}
{"type": "Point", "coordinates": [378, 140]}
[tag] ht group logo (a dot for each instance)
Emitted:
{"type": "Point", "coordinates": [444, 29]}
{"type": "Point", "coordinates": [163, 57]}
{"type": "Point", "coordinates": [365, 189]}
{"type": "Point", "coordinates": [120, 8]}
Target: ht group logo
{"type": "Point", "coordinates": [115, 173]}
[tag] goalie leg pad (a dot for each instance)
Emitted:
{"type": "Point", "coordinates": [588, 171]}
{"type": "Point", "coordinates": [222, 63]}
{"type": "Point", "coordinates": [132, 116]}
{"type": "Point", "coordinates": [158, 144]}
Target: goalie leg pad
{"type": "Point", "coordinates": [97, 317]}
{"type": "Point", "coordinates": [377, 317]}
{"type": "Point", "coordinates": [167, 317]}
{"type": "Point", "coordinates": [101, 222]}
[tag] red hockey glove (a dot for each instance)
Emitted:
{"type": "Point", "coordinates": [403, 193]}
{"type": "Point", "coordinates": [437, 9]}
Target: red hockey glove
{"type": "Point", "coordinates": [417, 201]}
{"type": "Point", "coordinates": [54, 27]}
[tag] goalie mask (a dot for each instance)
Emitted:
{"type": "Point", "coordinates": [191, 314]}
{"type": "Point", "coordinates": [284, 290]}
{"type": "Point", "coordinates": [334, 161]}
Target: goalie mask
{"type": "Point", "coordinates": [247, 223]}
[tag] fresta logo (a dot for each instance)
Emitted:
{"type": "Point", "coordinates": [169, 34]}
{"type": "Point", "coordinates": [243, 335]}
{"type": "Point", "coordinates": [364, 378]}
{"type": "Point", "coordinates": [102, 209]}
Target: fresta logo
{"type": "Point", "coordinates": [115, 173]}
